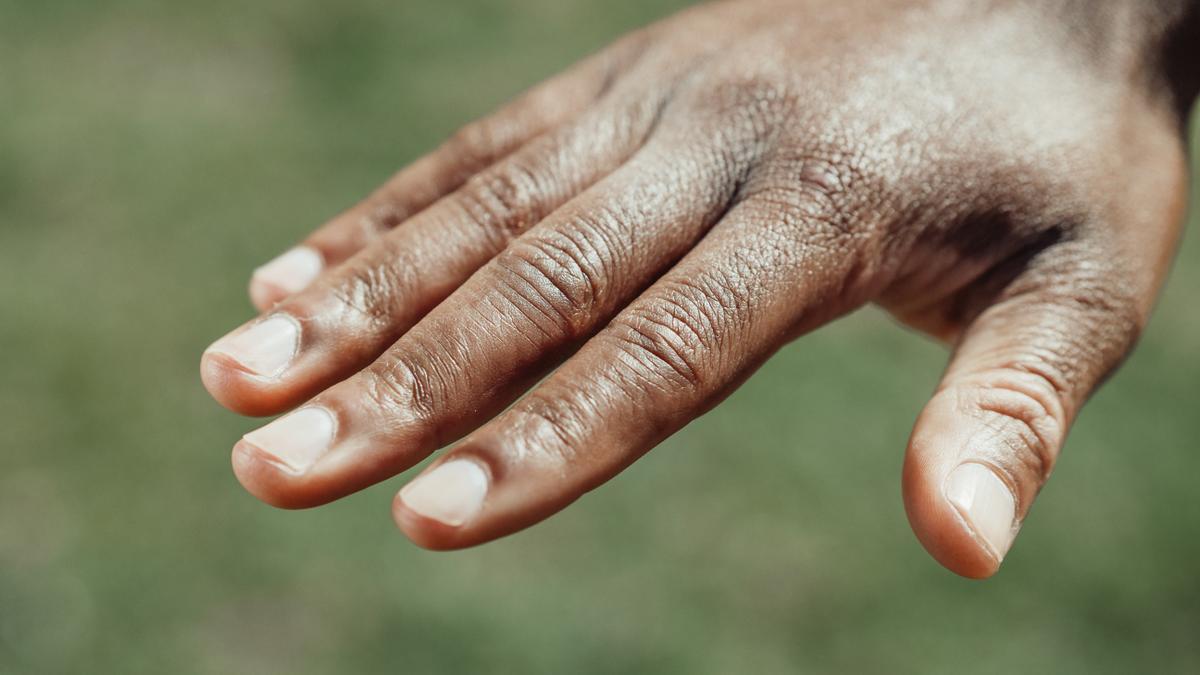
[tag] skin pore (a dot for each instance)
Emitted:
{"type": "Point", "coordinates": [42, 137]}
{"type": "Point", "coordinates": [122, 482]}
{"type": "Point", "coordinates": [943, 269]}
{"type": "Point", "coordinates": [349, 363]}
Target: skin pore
{"type": "Point", "coordinates": [648, 228]}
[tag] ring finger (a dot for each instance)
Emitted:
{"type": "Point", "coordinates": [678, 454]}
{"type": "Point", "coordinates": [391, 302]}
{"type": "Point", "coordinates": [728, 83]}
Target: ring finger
{"type": "Point", "coordinates": [479, 349]}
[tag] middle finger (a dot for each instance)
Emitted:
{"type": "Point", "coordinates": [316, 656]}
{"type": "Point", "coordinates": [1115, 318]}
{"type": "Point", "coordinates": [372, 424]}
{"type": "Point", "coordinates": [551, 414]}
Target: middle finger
{"type": "Point", "coordinates": [477, 351]}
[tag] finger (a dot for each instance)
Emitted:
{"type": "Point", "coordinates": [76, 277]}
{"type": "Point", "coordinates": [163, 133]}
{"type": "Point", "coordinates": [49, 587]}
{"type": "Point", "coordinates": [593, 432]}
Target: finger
{"type": "Point", "coordinates": [340, 324]}
{"type": "Point", "coordinates": [469, 151]}
{"type": "Point", "coordinates": [479, 349]}
{"type": "Point", "coordinates": [767, 272]}
{"type": "Point", "coordinates": [987, 441]}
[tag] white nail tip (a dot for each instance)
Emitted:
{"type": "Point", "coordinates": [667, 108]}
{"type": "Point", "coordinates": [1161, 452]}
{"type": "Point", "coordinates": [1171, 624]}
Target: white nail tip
{"type": "Point", "coordinates": [265, 348]}
{"type": "Point", "coordinates": [292, 270]}
{"type": "Point", "coordinates": [452, 493]}
{"type": "Point", "coordinates": [298, 439]}
{"type": "Point", "coordinates": [986, 503]}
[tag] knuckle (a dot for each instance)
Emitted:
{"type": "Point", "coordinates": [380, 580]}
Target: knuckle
{"type": "Point", "coordinates": [751, 103]}
{"type": "Point", "coordinates": [704, 304]}
{"type": "Point", "coordinates": [813, 189]}
{"type": "Point", "coordinates": [400, 393]}
{"type": "Point", "coordinates": [560, 276]}
{"type": "Point", "coordinates": [372, 218]}
{"type": "Point", "coordinates": [475, 141]}
{"type": "Point", "coordinates": [1024, 400]}
{"type": "Point", "coordinates": [548, 429]}
{"type": "Point", "coordinates": [417, 394]}
{"type": "Point", "coordinates": [370, 291]}
{"type": "Point", "coordinates": [672, 339]}
{"type": "Point", "coordinates": [503, 199]}
{"type": "Point", "coordinates": [659, 347]}
{"type": "Point", "coordinates": [1111, 311]}
{"type": "Point", "coordinates": [1080, 312]}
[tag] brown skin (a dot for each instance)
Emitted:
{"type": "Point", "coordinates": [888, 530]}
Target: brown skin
{"type": "Point", "coordinates": [1008, 177]}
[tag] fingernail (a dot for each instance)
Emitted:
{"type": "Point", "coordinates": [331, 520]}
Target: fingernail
{"type": "Point", "coordinates": [296, 440]}
{"type": "Point", "coordinates": [264, 348]}
{"type": "Point", "coordinates": [291, 271]}
{"type": "Point", "coordinates": [986, 503]}
{"type": "Point", "coordinates": [452, 493]}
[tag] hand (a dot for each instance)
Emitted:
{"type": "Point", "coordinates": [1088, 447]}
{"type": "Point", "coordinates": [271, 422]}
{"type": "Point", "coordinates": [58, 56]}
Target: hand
{"type": "Point", "coordinates": [659, 220]}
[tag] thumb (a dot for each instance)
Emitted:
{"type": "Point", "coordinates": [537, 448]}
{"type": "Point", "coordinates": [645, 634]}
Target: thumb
{"type": "Point", "coordinates": [988, 440]}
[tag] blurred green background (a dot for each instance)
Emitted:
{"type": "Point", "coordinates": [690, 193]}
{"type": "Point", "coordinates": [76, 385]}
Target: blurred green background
{"type": "Point", "coordinates": [152, 153]}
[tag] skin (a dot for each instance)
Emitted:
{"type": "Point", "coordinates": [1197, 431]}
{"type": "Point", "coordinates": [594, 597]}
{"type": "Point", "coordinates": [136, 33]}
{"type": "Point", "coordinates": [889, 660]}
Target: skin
{"type": "Point", "coordinates": [1008, 177]}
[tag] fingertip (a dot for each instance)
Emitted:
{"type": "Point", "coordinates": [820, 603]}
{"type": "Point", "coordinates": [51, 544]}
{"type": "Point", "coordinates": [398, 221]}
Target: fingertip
{"type": "Point", "coordinates": [960, 492]}
{"type": "Point", "coordinates": [264, 295]}
{"type": "Point", "coordinates": [441, 508]}
{"type": "Point", "coordinates": [941, 527]}
{"type": "Point", "coordinates": [272, 482]}
{"type": "Point", "coordinates": [219, 374]}
{"type": "Point", "coordinates": [288, 273]}
{"type": "Point", "coordinates": [424, 531]}
{"type": "Point", "coordinates": [234, 388]}
{"type": "Point", "coordinates": [261, 477]}
{"type": "Point", "coordinates": [250, 370]}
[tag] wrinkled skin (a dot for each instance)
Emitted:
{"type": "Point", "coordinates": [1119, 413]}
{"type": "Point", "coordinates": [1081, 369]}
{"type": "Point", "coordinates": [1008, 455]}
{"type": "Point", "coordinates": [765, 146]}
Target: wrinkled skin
{"type": "Point", "coordinates": [648, 228]}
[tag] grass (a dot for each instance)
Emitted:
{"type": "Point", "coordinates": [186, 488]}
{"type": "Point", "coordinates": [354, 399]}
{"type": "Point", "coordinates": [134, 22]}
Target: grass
{"type": "Point", "coordinates": [152, 153]}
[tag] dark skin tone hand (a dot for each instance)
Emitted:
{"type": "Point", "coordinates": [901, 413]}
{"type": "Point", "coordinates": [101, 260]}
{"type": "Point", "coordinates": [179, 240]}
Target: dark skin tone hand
{"type": "Point", "coordinates": [647, 229]}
